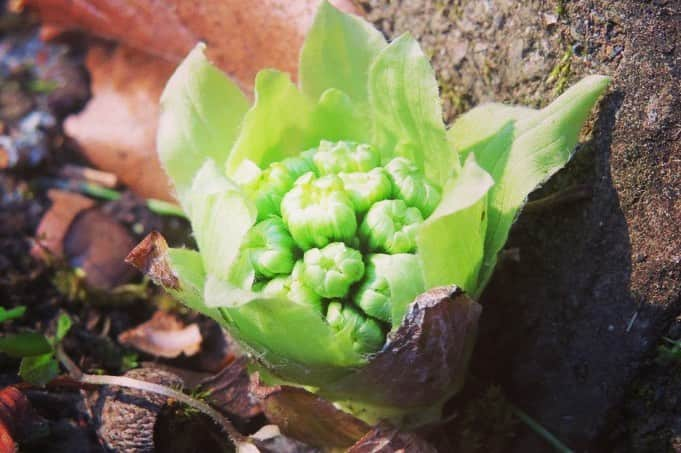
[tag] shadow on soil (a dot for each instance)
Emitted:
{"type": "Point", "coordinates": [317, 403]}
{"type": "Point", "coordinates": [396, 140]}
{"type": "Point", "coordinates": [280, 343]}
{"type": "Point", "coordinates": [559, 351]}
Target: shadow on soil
{"type": "Point", "coordinates": [559, 330]}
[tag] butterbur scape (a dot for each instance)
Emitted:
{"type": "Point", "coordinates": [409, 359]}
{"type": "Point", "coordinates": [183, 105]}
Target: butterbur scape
{"type": "Point", "coordinates": [343, 231]}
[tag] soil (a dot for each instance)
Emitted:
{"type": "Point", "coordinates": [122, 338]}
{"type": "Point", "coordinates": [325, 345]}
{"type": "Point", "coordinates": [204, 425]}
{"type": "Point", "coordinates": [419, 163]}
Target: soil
{"type": "Point", "coordinates": [570, 331]}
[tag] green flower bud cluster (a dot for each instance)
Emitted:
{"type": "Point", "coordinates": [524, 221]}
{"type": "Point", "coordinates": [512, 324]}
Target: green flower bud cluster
{"type": "Point", "coordinates": [324, 217]}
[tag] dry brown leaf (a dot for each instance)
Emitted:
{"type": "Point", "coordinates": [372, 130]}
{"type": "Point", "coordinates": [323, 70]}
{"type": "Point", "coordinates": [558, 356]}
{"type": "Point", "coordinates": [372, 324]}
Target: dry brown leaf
{"type": "Point", "coordinates": [424, 359]}
{"type": "Point", "coordinates": [86, 238]}
{"type": "Point", "coordinates": [56, 222]}
{"type": "Point", "coordinates": [383, 438]}
{"type": "Point", "coordinates": [229, 391]}
{"type": "Point", "coordinates": [308, 417]}
{"type": "Point", "coordinates": [164, 335]}
{"type": "Point", "coordinates": [242, 36]}
{"type": "Point", "coordinates": [117, 129]}
{"type": "Point", "coordinates": [17, 418]}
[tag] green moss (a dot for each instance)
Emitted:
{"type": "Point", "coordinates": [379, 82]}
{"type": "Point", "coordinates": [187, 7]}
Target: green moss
{"type": "Point", "coordinates": [559, 75]}
{"type": "Point", "coordinates": [560, 8]}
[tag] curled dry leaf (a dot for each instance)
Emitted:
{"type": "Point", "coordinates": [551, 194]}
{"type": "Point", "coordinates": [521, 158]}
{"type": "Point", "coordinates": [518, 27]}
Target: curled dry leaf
{"type": "Point", "coordinates": [383, 438]}
{"type": "Point", "coordinates": [98, 244]}
{"type": "Point", "coordinates": [151, 257]}
{"type": "Point", "coordinates": [86, 238]}
{"type": "Point", "coordinates": [17, 418]}
{"type": "Point", "coordinates": [56, 222]}
{"type": "Point", "coordinates": [126, 417]}
{"type": "Point", "coordinates": [164, 335]}
{"type": "Point", "coordinates": [117, 129]}
{"type": "Point", "coordinates": [425, 358]}
{"type": "Point", "coordinates": [308, 417]}
{"type": "Point", "coordinates": [229, 390]}
{"type": "Point", "coordinates": [244, 37]}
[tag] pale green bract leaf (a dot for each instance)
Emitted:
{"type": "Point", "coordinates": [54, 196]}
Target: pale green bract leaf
{"type": "Point", "coordinates": [293, 339]}
{"type": "Point", "coordinates": [221, 215]}
{"type": "Point", "coordinates": [406, 110]}
{"type": "Point", "coordinates": [280, 124]}
{"type": "Point", "coordinates": [528, 147]}
{"type": "Point", "coordinates": [341, 118]}
{"type": "Point", "coordinates": [451, 241]}
{"type": "Point", "coordinates": [476, 127]}
{"type": "Point", "coordinates": [264, 325]}
{"type": "Point", "coordinates": [187, 266]}
{"type": "Point", "coordinates": [337, 53]}
{"type": "Point", "coordinates": [201, 110]}
{"type": "Point", "coordinates": [402, 271]}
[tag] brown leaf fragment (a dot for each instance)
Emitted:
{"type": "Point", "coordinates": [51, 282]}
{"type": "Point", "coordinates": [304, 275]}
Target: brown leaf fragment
{"type": "Point", "coordinates": [151, 258]}
{"type": "Point", "coordinates": [98, 244]}
{"type": "Point", "coordinates": [229, 390]}
{"type": "Point", "coordinates": [308, 417]}
{"type": "Point", "coordinates": [13, 406]}
{"type": "Point", "coordinates": [56, 222]}
{"type": "Point", "coordinates": [117, 129]}
{"type": "Point", "coordinates": [164, 335]}
{"type": "Point", "coordinates": [17, 418]}
{"type": "Point", "coordinates": [86, 238]}
{"type": "Point", "coordinates": [149, 25]}
{"type": "Point", "coordinates": [383, 438]}
{"type": "Point", "coordinates": [243, 37]}
{"type": "Point", "coordinates": [424, 360]}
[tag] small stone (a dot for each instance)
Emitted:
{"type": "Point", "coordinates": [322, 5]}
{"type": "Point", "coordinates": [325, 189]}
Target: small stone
{"type": "Point", "coordinates": [550, 19]}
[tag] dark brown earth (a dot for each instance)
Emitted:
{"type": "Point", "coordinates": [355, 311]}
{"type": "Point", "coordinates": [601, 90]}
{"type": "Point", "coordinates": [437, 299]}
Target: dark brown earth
{"type": "Point", "coordinates": [569, 331]}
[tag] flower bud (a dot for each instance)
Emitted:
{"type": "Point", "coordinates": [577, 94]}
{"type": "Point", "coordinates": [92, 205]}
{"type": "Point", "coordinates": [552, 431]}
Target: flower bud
{"type": "Point", "coordinates": [410, 185]}
{"type": "Point", "coordinates": [271, 248]}
{"type": "Point", "coordinates": [373, 295]}
{"type": "Point", "coordinates": [365, 189]}
{"type": "Point", "coordinates": [390, 226]}
{"type": "Point", "coordinates": [365, 332]}
{"type": "Point", "coordinates": [293, 288]}
{"type": "Point", "coordinates": [271, 185]}
{"type": "Point", "coordinates": [345, 157]}
{"type": "Point", "coordinates": [318, 211]}
{"type": "Point", "coordinates": [332, 270]}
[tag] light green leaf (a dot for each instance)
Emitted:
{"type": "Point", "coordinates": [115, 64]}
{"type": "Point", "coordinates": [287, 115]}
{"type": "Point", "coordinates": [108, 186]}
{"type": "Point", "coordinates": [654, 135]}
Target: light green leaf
{"type": "Point", "coordinates": [311, 353]}
{"type": "Point", "coordinates": [14, 313]}
{"type": "Point", "coordinates": [405, 279]}
{"type": "Point", "coordinates": [187, 266]}
{"type": "Point", "coordinates": [527, 148]}
{"type": "Point", "coordinates": [201, 109]}
{"type": "Point", "coordinates": [39, 370]}
{"type": "Point", "coordinates": [474, 128]}
{"type": "Point", "coordinates": [451, 241]}
{"type": "Point", "coordinates": [64, 324]}
{"type": "Point", "coordinates": [342, 119]}
{"type": "Point", "coordinates": [337, 53]}
{"type": "Point", "coordinates": [280, 124]}
{"type": "Point", "coordinates": [406, 110]}
{"type": "Point", "coordinates": [25, 344]}
{"type": "Point", "coordinates": [220, 215]}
